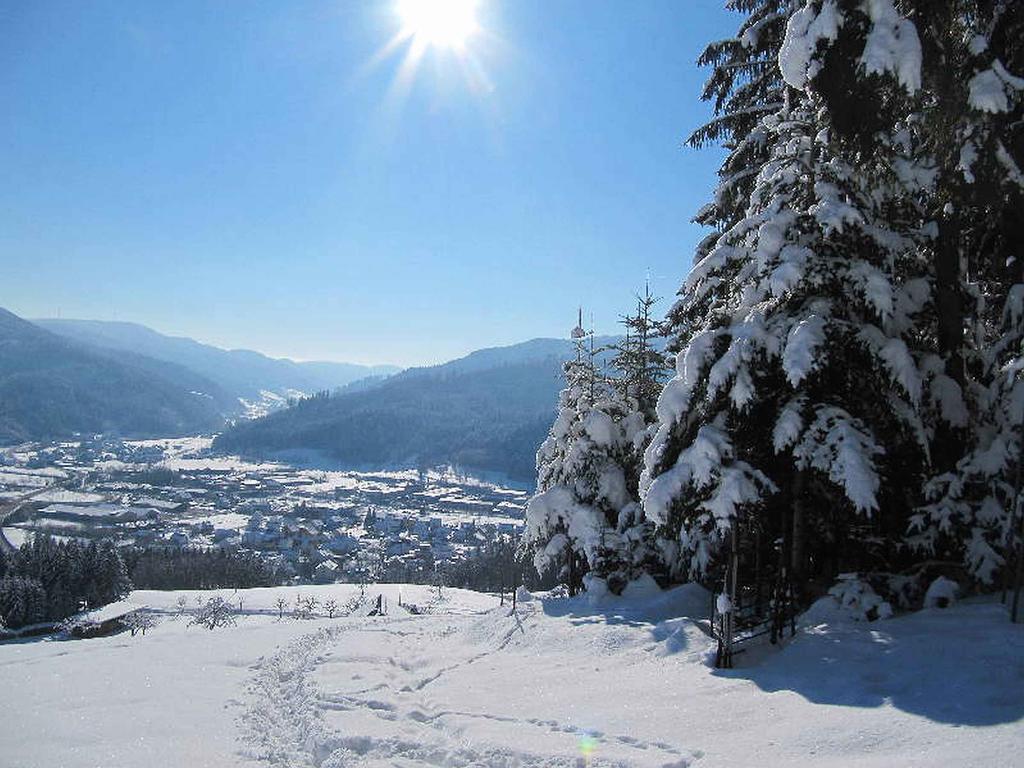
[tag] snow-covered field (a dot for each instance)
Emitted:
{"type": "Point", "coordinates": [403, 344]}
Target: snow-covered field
{"type": "Point", "coordinates": [559, 682]}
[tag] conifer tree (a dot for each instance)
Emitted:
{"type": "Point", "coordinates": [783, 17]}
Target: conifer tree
{"type": "Point", "coordinates": [579, 491]}
{"type": "Point", "coordinates": [641, 364]}
{"type": "Point", "coordinates": [641, 368]}
{"type": "Point", "coordinates": [974, 60]}
{"type": "Point", "coordinates": [744, 86]}
{"type": "Point", "coordinates": [965, 60]}
{"type": "Point", "coordinates": [794, 325]}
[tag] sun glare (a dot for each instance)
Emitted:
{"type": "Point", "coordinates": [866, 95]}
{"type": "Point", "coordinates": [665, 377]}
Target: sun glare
{"type": "Point", "coordinates": [438, 23]}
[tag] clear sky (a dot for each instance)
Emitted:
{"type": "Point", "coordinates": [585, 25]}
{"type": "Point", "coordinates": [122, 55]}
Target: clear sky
{"type": "Point", "coordinates": [267, 174]}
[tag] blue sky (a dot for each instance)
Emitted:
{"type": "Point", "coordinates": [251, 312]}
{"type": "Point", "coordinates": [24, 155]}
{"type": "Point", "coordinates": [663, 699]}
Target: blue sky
{"type": "Point", "coordinates": [254, 175]}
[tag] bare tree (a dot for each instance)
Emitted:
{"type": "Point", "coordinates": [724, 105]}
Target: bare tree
{"type": "Point", "coordinates": [331, 606]}
{"type": "Point", "coordinates": [140, 621]}
{"type": "Point", "coordinates": [215, 612]}
{"type": "Point", "coordinates": [305, 607]}
{"type": "Point", "coordinates": [357, 600]}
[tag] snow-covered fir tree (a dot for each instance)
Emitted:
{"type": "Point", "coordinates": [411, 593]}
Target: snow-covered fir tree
{"type": "Point", "coordinates": [744, 86]}
{"type": "Point", "coordinates": [583, 518]}
{"type": "Point", "coordinates": [801, 378]}
{"type": "Point", "coordinates": [640, 368]}
{"type": "Point", "coordinates": [568, 462]}
{"type": "Point", "coordinates": [974, 129]}
{"type": "Point", "coordinates": [965, 60]}
{"type": "Point", "coordinates": [640, 362]}
{"type": "Point", "coordinates": [22, 601]}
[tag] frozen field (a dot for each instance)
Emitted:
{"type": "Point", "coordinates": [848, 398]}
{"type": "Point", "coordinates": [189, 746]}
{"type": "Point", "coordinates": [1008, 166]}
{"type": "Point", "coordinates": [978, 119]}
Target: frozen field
{"type": "Point", "coordinates": [558, 683]}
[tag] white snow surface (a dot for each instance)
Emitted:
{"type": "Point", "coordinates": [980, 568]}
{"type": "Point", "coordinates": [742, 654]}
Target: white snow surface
{"type": "Point", "coordinates": [560, 682]}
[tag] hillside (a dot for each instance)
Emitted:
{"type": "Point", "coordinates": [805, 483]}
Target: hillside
{"type": "Point", "coordinates": [488, 411]}
{"type": "Point", "coordinates": [51, 387]}
{"type": "Point", "coordinates": [592, 680]}
{"type": "Point", "coordinates": [243, 373]}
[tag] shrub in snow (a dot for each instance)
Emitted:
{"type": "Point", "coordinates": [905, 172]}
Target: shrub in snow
{"type": "Point", "coordinates": [523, 595]}
{"type": "Point", "coordinates": [215, 612]}
{"type": "Point", "coordinates": [859, 599]}
{"type": "Point", "coordinates": [68, 626]}
{"type": "Point", "coordinates": [438, 595]}
{"type": "Point", "coordinates": [558, 592]}
{"type": "Point", "coordinates": [942, 593]}
{"type": "Point", "coordinates": [280, 604]}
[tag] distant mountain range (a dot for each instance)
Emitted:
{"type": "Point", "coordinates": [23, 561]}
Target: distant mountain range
{"type": "Point", "coordinates": [247, 375]}
{"type": "Point", "coordinates": [59, 377]}
{"type": "Point", "coordinates": [487, 411]}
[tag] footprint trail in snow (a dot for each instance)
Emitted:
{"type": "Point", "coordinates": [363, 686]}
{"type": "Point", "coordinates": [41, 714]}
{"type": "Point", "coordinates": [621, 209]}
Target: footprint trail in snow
{"type": "Point", "coordinates": [436, 690]}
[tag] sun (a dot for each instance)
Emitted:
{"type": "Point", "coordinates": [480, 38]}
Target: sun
{"type": "Point", "coordinates": [456, 31]}
{"type": "Point", "coordinates": [446, 24]}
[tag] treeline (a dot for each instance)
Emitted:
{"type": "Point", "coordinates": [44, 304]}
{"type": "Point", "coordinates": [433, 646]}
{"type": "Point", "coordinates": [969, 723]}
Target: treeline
{"type": "Point", "coordinates": [500, 564]}
{"type": "Point", "coordinates": [48, 580]}
{"type": "Point", "coordinates": [496, 564]}
{"type": "Point", "coordinates": [200, 569]}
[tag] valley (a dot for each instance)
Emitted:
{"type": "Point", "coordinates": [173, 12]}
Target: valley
{"type": "Point", "coordinates": [315, 524]}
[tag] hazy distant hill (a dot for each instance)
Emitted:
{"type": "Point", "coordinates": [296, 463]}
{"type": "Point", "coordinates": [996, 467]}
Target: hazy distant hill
{"type": "Point", "coordinates": [489, 410]}
{"type": "Point", "coordinates": [240, 372]}
{"type": "Point", "coordinates": [51, 387]}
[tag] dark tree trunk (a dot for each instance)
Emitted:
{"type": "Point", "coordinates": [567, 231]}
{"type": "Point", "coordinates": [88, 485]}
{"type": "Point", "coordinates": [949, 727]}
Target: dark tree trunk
{"type": "Point", "coordinates": [797, 549]}
{"type": "Point", "coordinates": [949, 304]}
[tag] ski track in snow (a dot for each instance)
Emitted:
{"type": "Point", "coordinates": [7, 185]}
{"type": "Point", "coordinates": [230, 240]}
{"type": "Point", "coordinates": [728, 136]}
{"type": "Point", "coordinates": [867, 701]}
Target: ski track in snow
{"type": "Point", "coordinates": [284, 723]}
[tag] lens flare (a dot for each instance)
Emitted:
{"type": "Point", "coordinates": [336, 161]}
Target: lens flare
{"type": "Point", "coordinates": [587, 746]}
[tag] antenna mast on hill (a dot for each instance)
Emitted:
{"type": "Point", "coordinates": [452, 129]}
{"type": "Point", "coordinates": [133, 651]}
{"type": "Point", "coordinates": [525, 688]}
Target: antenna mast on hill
{"type": "Point", "coordinates": [578, 332]}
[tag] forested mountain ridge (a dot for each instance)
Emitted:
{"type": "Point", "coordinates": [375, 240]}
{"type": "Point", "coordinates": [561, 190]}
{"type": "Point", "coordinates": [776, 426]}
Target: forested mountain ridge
{"type": "Point", "coordinates": [51, 387]}
{"type": "Point", "coordinates": [489, 411]}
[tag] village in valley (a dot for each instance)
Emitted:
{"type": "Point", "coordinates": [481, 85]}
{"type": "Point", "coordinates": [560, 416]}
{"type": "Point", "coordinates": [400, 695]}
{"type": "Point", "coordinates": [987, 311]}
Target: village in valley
{"type": "Point", "coordinates": [315, 525]}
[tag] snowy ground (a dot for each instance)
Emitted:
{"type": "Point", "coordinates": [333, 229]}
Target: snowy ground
{"type": "Point", "coordinates": [560, 682]}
